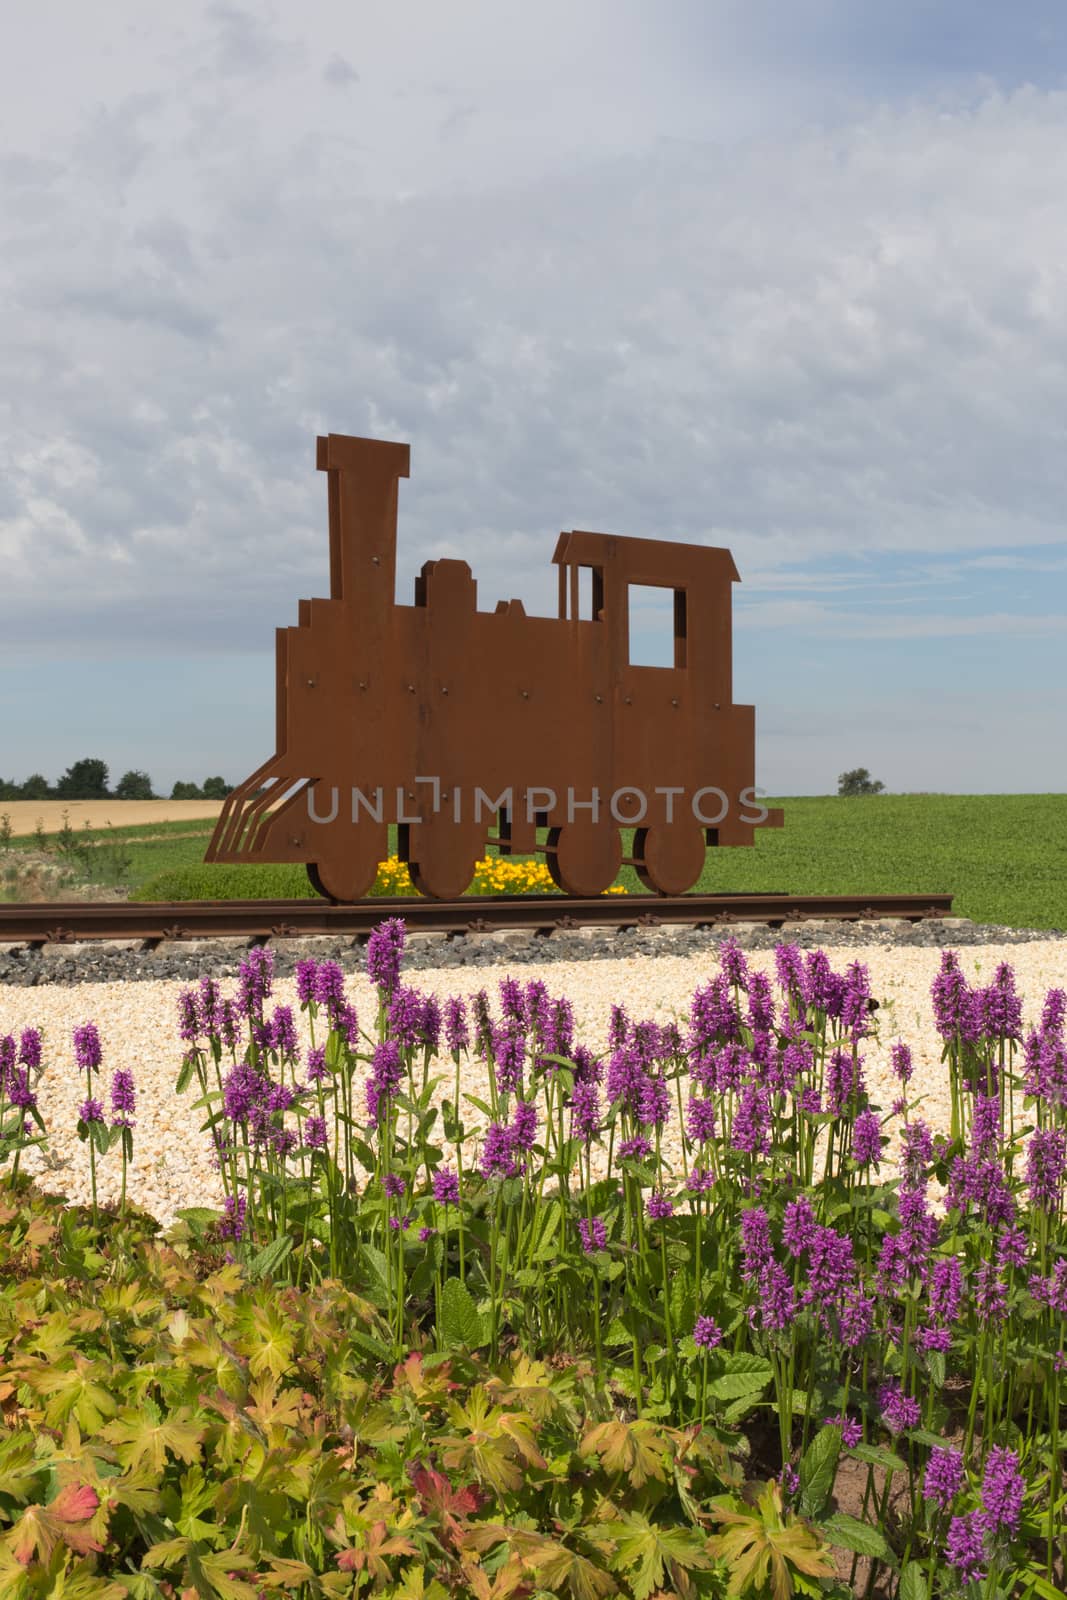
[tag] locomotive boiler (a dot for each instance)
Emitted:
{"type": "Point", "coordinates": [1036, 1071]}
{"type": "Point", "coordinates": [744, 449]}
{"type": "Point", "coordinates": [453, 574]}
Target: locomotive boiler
{"type": "Point", "coordinates": [469, 728]}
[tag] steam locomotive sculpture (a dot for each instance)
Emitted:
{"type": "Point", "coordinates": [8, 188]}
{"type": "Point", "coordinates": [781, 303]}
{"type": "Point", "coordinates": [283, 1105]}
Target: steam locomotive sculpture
{"type": "Point", "coordinates": [467, 728]}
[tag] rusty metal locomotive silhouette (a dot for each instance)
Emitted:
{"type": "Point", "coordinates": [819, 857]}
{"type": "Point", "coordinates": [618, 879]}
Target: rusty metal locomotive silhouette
{"type": "Point", "coordinates": [467, 728]}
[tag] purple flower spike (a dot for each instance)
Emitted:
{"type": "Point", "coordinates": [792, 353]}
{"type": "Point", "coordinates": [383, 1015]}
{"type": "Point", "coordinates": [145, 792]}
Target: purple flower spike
{"type": "Point", "coordinates": [123, 1097]}
{"type": "Point", "coordinates": [446, 1187]}
{"type": "Point", "coordinates": [457, 1035]}
{"type": "Point", "coordinates": [305, 981]}
{"type": "Point", "coordinates": [707, 1333]}
{"type": "Point", "coordinates": [660, 1207]}
{"type": "Point", "coordinates": [965, 1546]}
{"type": "Point", "coordinates": [385, 949]}
{"type": "Point", "coordinates": [585, 1112]}
{"type": "Point", "coordinates": [1046, 1166]}
{"type": "Point", "coordinates": [30, 1048]}
{"type": "Point", "coordinates": [899, 1409]}
{"type": "Point", "coordinates": [91, 1111]}
{"type": "Point", "coordinates": [87, 1051]}
{"type": "Point", "coordinates": [594, 1235]}
{"type": "Point", "coordinates": [255, 976]}
{"type": "Point", "coordinates": [1003, 1490]}
{"type": "Point", "coordinates": [867, 1139]}
{"type": "Point", "coordinates": [851, 1429]}
{"type": "Point", "coordinates": [943, 1478]}
{"type": "Point", "coordinates": [315, 1133]}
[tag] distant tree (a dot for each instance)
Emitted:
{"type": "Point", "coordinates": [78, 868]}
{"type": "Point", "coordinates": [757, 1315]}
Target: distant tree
{"type": "Point", "coordinates": [134, 786]}
{"type": "Point", "coordinates": [85, 780]}
{"type": "Point", "coordinates": [185, 791]}
{"type": "Point", "coordinates": [9, 791]}
{"type": "Point", "coordinates": [35, 788]}
{"type": "Point", "coordinates": [858, 781]}
{"type": "Point", "coordinates": [216, 788]}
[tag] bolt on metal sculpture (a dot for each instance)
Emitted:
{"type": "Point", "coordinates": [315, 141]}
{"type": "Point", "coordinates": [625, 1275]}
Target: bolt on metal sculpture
{"type": "Point", "coordinates": [470, 728]}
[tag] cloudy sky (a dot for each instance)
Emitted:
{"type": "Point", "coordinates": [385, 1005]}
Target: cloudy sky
{"type": "Point", "coordinates": [790, 279]}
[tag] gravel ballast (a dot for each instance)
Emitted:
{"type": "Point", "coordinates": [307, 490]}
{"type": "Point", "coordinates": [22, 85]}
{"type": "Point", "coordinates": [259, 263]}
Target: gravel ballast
{"type": "Point", "coordinates": [135, 1012]}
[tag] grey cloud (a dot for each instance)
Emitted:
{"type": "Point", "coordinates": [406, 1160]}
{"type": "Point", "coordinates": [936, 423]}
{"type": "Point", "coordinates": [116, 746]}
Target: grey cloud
{"type": "Point", "coordinates": [339, 72]}
{"type": "Point", "coordinates": [244, 44]}
{"type": "Point", "coordinates": [796, 350]}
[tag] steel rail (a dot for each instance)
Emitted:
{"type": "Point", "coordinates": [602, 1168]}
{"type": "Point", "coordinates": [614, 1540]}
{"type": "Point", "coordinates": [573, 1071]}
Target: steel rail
{"type": "Point", "coordinates": [65, 921]}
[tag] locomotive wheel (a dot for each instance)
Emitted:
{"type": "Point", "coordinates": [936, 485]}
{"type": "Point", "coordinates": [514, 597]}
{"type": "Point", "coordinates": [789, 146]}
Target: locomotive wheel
{"type": "Point", "coordinates": [343, 881]}
{"type": "Point", "coordinates": [584, 858]}
{"type": "Point", "coordinates": [670, 859]}
{"type": "Point", "coordinates": [347, 862]}
{"type": "Point", "coordinates": [442, 857]}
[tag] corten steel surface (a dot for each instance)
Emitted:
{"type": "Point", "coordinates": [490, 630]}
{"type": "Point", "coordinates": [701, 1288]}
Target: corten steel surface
{"type": "Point", "coordinates": [75, 920]}
{"type": "Point", "coordinates": [374, 695]}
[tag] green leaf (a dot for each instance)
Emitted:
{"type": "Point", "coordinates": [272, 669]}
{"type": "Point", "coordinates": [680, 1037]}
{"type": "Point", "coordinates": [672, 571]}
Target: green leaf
{"type": "Point", "coordinates": [744, 1375]}
{"type": "Point", "coordinates": [849, 1533]}
{"type": "Point", "coordinates": [184, 1076]}
{"type": "Point", "coordinates": [912, 1583]}
{"type": "Point", "coordinates": [818, 1467]}
{"type": "Point", "coordinates": [543, 1235]}
{"type": "Point", "coordinates": [199, 1218]}
{"type": "Point", "coordinates": [877, 1455]}
{"type": "Point", "coordinates": [270, 1258]}
{"type": "Point", "coordinates": [743, 1362]}
{"type": "Point", "coordinates": [378, 1285]}
{"type": "Point", "coordinates": [461, 1324]}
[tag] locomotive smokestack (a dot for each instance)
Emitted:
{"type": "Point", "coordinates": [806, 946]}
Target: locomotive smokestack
{"type": "Point", "coordinates": [363, 493]}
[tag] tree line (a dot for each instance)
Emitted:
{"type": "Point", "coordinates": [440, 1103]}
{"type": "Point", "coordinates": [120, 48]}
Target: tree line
{"type": "Point", "coordinates": [89, 779]}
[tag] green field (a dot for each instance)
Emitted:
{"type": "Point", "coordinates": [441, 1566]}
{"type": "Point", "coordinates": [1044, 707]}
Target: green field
{"type": "Point", "coordinates": [1003, 856]}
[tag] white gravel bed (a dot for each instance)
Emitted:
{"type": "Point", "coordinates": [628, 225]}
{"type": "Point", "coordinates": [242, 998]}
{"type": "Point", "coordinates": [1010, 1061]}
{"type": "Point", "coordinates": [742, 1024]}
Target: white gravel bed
{"type": "Point", "coordinates": [172, 1163]}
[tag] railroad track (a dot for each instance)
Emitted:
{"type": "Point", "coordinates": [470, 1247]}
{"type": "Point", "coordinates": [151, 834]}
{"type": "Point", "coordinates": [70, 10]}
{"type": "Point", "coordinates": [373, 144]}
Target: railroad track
{"type": "Point", "coordinates": [68, 921]}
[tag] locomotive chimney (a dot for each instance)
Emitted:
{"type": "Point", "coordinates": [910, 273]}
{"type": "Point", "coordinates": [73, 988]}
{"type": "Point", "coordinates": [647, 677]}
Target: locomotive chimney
{"type": "Point", "coordinates": [363, 492]}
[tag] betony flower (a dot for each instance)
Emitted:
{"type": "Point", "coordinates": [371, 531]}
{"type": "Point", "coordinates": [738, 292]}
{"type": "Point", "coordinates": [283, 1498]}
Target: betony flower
{"type": "Point", "coordinates": [91, 1111]}
{"type": "Point", "coordinates": [593, 1234]}
{"type": "Point", "coordinates": [755, 1241]}
{"type": "Point", "coordinates": [254, 979]}
{"type": "Point", "coordinates": [188, 1018]}
{"type": "Point", "coordinates": [798, 1225]}
{"type": "Point", "coordinates": [634, 1149]}
{"type": "Point", "coordinates": [585, 1111]}
{"type": "Point", "coordinates": [87, 1051]}
{"type": "Point", "coordinates": [733, 963]}
{"type": "Point", "coordinates": [1003, 1490]}
{"type": "Point", "coordinates": [899, 1409]}
{"type": "Point", "coordinates": [707, 1333]}
{"type": "Point", "coordinates": [306, 972]}
{"type": "Point", "coordinates": [943, 1478]}
{"type": "Point", "coordinates": [1046, 1167]}
{"type": "Point", "coordinates": [457, 1035]}
{"type": "Point", "coordinates": [446, 1187]}
{"type": "Point", "coordinates": [965, 1546]}
{"type": "Point", "coordinates": [385, 949]}
{"type": "Point", "coordinates": [900, 1061]}
{"type": "Point", "coordinates": [851, 1429]}
{"type": "Point", "coordinates": [315, 1133]}
{"type": "Point", "coordinates": [524, 1125]}
{"type": "Point", "coordinates": [700, 1120]}
{"type": "Point", "coordinates": [866, 1139]}
{"type": "Point", "coordinates": [123, 1097]}
{"type": "Point", "coordinates": [30, 1049]}
{"type": "Point", "coordinates": [660, 1207]}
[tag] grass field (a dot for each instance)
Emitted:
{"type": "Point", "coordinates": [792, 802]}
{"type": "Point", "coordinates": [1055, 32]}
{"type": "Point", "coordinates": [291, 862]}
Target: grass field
{"type": "Point", "coordinates": [1003, 856]}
